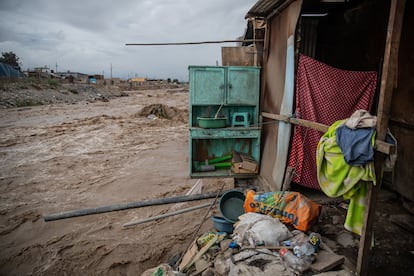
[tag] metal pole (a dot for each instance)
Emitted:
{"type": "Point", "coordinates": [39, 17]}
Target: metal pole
{"type": "Point", "coordinates": [124, 206]}
{"type": "Point", "coordinates": [189, 209]}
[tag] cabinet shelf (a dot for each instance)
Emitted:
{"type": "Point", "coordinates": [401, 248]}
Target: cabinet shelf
{"type": "Point", "coordinates": [225, 133]}
{"type": "Point", "coordinates": [233, 90]}
{"type": "Point", "coordinates": [222, 173]}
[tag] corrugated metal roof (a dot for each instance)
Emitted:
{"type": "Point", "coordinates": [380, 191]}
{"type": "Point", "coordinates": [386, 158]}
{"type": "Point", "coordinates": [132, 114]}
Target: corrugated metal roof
{"type": "Point", "coordinates": [262, 8]}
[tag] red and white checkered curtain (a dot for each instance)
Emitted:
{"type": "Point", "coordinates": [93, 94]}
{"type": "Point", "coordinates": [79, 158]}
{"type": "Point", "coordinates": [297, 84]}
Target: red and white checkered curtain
{"type": "Point", "coordinates": [324, 94]}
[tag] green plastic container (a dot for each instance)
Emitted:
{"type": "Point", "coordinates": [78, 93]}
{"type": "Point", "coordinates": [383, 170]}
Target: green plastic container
{"type": "Point", "coordinates": [205, 122]}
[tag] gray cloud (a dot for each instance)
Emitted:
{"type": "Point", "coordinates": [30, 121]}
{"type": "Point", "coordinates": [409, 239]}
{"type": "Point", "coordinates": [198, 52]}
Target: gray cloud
{"type": "Point", "coordinates": [88, 36]}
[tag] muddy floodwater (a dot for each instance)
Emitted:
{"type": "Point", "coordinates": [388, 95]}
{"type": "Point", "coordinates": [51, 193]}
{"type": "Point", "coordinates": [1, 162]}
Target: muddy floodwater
{"type": "Point", "coordinates": [87, 154]}
{"type": "Point", "coordinates": [66, 157]}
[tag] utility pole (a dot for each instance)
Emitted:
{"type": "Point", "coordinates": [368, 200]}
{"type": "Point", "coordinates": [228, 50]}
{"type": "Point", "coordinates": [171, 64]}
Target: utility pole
{"type": "Point", "coordinates": [111, 73]}
{"type": "Point", "coordinates": [56, 66]}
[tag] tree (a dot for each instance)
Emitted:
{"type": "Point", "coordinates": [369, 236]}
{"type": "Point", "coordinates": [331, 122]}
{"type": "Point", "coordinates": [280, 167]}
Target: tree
{"type": "Point", "coordinates": [11, 59]}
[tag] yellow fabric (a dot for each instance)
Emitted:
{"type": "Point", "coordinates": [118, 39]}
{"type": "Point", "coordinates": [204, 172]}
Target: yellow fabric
{"type": "Point", "coordinates": [337, 178]}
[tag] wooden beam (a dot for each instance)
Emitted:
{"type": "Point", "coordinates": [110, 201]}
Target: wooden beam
{"type": "Point", "coordinates": [380, 146]}
{"type": "Point", "coordinates": [389, 71]}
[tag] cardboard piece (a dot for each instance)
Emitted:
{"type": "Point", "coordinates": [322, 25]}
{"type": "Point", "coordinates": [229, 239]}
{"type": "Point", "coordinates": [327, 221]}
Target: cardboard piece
{"type": "Point", "coordinates": [243, 163]}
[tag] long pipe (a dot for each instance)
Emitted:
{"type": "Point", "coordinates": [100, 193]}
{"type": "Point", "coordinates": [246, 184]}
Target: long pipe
{"type": "Point", "coordinates": [123, 206]}
{"type": "Point", "coordinates": [189, 209]}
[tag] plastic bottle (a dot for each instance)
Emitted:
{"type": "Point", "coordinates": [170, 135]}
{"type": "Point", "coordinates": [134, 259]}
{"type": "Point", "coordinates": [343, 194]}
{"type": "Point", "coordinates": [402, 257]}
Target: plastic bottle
{"type": "Point", "coordinates": [297, 265]}
{"type": "Point", "coordinates": [309, 247]}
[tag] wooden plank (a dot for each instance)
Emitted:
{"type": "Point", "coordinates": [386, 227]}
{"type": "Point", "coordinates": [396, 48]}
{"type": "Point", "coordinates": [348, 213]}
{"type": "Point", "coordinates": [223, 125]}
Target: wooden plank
{"type": "Point", "coordinates": [388, 77]}
{"type": "Point", "coordinates": [286, 107]}
{"type": "Point", "coordinates": [326, 261]}
{"type": "Point", "coordinates": [319, 127]}
{"type": "Point", "coordinates": [288, 178]}
{"type": "Point", "coordinates": [200, 253]}
{"type": "Point", "coordinates": [188, 256]}
{"type": "Point", "coordinates": [380, 145]}
{"type": "Point", "coordinates": [238, 56]}
{"type": "Point", "coordinates": [389, 70]}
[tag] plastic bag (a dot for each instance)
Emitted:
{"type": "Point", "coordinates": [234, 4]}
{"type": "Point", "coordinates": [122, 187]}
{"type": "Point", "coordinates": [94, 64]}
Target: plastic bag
{"type": "Point", "coordinates": [290, 207]}
{"type": "Point", "coordinates": [257, 229]}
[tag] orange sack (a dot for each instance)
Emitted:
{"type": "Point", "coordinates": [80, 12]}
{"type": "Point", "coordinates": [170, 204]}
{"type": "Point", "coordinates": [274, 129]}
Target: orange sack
{"type": "Point", "coordinates": [290, 207]}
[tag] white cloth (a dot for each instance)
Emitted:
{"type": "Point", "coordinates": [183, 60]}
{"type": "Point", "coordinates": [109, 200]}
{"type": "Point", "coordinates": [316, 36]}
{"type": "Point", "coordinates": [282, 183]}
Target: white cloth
{"type": "Point", "coordinates": [361, 119]}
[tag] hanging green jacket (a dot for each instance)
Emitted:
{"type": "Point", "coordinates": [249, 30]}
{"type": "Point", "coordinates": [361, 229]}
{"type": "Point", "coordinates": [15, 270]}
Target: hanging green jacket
{"type": "Point", "coordinates": [337, 178]}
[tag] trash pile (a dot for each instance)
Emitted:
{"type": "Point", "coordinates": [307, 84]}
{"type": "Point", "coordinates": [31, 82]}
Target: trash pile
{"type": "Point", "coordinates": [258, 234]}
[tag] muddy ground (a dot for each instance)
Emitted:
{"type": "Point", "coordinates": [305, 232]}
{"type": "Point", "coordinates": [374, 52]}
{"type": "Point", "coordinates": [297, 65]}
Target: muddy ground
{"type": "Point", "coordinates": [61, 157]}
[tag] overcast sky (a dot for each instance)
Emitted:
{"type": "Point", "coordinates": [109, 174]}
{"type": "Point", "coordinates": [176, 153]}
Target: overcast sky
{"type": "Point", "coordinates": [87, 36]}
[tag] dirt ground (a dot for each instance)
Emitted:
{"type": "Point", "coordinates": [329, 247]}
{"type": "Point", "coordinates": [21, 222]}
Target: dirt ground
{"type": "Point", "coordinates": [63, 157]}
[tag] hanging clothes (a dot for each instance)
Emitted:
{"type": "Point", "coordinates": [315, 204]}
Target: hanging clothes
{"type": "Point", "coordinates": [356, 138]}
{"type": "Point", "coordinates": [361, 119]}
{"type": "Point", "coordinates": [324, 94]}
{"type": "Point", "coordinates": [337, 178]}
{"type": "Point", "coordinates": [356, 144]}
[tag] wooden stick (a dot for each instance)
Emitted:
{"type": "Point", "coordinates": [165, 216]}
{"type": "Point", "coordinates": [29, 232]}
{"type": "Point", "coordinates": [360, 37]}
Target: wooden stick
{"type": "Point", "coordinates": [193, 43]}
{"type": "Point", "coordinates": [380, 145]}
{"type": "Point", "coordinates": [390, 67]}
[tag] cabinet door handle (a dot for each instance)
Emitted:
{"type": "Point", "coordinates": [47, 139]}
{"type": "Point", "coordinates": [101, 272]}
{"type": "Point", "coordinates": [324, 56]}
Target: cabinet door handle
{"type": "Point", "coordinates": [230, 86]}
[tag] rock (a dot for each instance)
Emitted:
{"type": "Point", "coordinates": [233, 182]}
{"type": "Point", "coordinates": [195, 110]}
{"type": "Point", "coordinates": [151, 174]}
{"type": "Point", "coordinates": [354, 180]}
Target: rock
{"type": "Point", "coordinates": [221, 266]}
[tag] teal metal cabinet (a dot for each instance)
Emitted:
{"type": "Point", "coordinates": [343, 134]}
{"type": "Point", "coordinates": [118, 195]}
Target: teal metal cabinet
{"type": "Point", "coordinates": [231, 90]}
{"type": "Point", "coordinates": [224, 85]}
{"type": "Point", "coordinates": [243, 86]}
{"type": "Point", "coordinates": [207, 85]}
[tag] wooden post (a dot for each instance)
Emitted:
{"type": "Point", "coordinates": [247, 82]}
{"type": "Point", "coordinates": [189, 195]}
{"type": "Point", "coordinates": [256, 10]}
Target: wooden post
{"type": "Point", "coordinates": [387, 85]}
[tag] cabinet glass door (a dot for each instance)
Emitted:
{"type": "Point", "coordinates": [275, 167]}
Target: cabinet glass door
{"type": "Point", "coordinates": [243, 86]}
{"type": "Point", "coordinates": [207, 85]}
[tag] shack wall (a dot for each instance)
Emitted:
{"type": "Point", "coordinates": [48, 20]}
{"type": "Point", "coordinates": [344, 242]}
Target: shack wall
{"type": "Point", "coordinates": [280, 28]}
{"type": "Point", "coordinates": [401, 121]}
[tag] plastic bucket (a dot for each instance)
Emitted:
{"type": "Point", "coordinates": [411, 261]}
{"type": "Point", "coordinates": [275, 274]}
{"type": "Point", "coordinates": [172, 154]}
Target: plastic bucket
{"type": "Point", "coordinates": [222, 225]}
{"type": "Point", "coordinates": [231, 205]}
